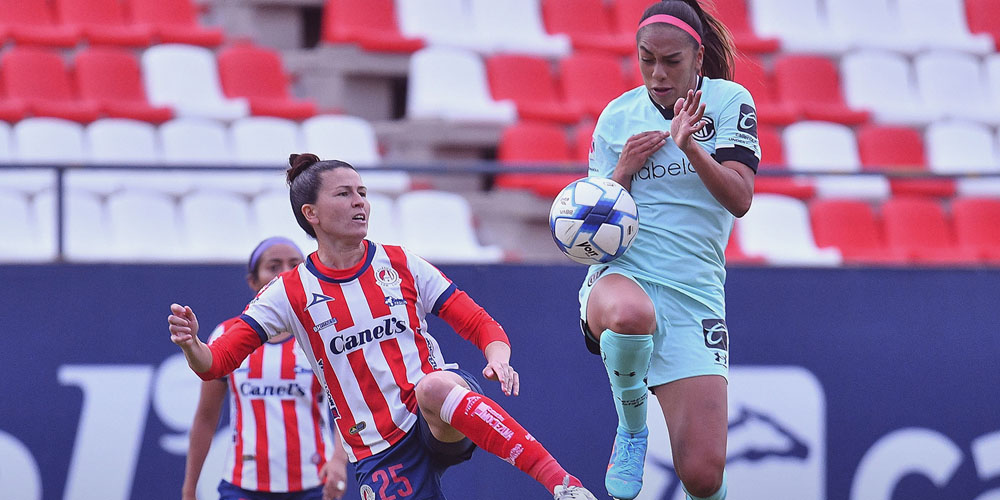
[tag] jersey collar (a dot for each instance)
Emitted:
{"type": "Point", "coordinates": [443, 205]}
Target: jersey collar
{"type": "Point", "coordinates": [668, 113]}
{"type": "Point", "coordinates": [331, 275]}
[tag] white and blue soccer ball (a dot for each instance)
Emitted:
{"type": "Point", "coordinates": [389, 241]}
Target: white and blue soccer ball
{"type": "Point", "coordinates": [593, 220]}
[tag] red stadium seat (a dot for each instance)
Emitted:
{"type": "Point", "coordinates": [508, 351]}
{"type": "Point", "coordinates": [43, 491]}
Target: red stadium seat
{"type": "Point", "coordinates": [31, 22]}
{"type": "Point", "coordinates": [735, 254]}
{"type": "Point", "coordinates": [257, 74]}
{"type": "Point", "coordinates": [38, 78]}
{"type": "Point", "coordinates": [626, 13]}
{"type": "Point", "coordinates": [750, 73]}
{"type": "Point", "coordinates": [112, 78]}
{"type": "Point", "coordinates": [852, 227]}
{"type": "Point", "coordinates": [733, 14]}
{"type": "Point", "coordinates": [900, 149]}
{"type": "Point", "coordinates": [368, 23]}
{"type": "Point", "coordinates": [588, 25]}
{"type": "Point", "coordinates": [592, 80]}
{"type": "Point", "coordinates": [583, 138]}
{"type": "Point", "coordinates": [984, 17]}
{"type": "Point", "coordinates": [526, 143]}
{"type": "Point", "coordinates": [529, 82]}
{"type": "Point", "coordinates": [103, 22]}
{"type": "Point", "coordinates": [918, 230]}
{"type": "Point", "coordinates": [10, 110]}
{"type": "Point", "coordinates": [174, 21]}
{"type": "Point", "coordinates": [812, 83]}
{"type": "Point", "coordinates": [976, 226]}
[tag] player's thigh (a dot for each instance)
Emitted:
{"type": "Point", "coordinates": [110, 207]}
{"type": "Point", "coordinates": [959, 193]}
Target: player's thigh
{"type": "Point", "coordinates": [432, 390]}
{"type": "Point", "coordinates": [619, 304]}
{"type": "Point", "coordinates": [696, 413]}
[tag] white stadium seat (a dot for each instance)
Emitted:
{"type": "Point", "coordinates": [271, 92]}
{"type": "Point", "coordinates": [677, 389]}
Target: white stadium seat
{"type": "Point", "coordinates": [941, 73]}
{"type": "Point", "coordinates": [271, 212]}
{"type": "Point", "coordinates": [878, 28]}
{"type": "Point", "coordinates": [6, 145]}
{"type": "Point", "coordinates": [892, 96]}
{"type": "Point", "coordinates": [216, 226]}
{"type": "Point", "coordinates": [450, 84]}
{"type": "Point", "coordinates": [437, 226]}
{"type": "Point", "coordinates": [143, 226]}
{"type": "Point", "coordinates": [777, 228]}
{"type": "Point", "coordinates": [955, 147]}
{"type": "Point", "coordinates": [85, 227]}
{"type": "Point", "coordinates": [194, 141]}
{"type": "Point", "coordinates": [516, 26]}
{"type": "Point", "coordinates": [441, 23]}
{"type": "Point", "coordinates": [799, 24]}
{"type": "Point", "coordinates": [941, 24]}
{"type": "Point", "coordinates": [352, 139]}
{"type": "Point", "coordinates": [383, 223]}
{"type": "Point", "coordinates": [186, 78]}
{"type": "Point", "coordinates": [122, 141]}
{"type": "Point", "coordinates": [27, 226]}
{"type": "Point", "coordinates": [830, 147]}
{"type": "Point", "coordinates": [48, 140]}
{"type": "Point", "coordinates": [264, 140]}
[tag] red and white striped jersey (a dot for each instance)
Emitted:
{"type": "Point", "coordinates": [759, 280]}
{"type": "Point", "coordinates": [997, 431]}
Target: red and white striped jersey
{"type": "Point", "coordinates": [278, 418]}
{"type": "Point", "coordinates": [364, 330]}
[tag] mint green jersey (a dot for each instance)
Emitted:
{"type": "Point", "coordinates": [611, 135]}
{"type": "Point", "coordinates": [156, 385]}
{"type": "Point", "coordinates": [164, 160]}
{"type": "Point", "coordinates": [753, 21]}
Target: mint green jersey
{"type": "Point", "coordinates": [683, 229]}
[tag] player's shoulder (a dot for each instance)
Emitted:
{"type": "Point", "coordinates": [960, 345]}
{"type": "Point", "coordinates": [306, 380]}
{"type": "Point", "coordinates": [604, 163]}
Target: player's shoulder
{"type": "Point", "coordinates": [624, 103]}
{"type": "Point", "coordinates": [720, 90]}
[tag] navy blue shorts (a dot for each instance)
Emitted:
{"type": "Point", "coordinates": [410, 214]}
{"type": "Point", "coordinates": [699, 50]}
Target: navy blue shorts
{"type": "Point", "coordinates": [411, 469]}
{"type": "Point", "coordinates": [229, 491]}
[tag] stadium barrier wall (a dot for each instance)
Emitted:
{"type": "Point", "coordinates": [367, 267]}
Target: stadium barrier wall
{"type": "Point", "coordinates": [861, 384]}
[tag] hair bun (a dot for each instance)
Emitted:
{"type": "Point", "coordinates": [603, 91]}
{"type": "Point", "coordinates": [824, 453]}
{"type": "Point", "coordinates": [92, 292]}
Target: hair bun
{"type": "Point", "coordinates": [298, 163]}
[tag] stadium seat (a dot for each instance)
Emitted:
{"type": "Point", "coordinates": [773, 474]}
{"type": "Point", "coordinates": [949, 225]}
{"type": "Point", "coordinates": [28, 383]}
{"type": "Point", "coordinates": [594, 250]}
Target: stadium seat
{"type": "Point", "coordinates": [103, 22]}
{"type": "Point", "coordinates": [25, 230]}
{"type": "Point", "coordinates": [529, 82]}
{"type": "Point", "coordinates": [186, 78]}
{"type": "Point", "coordinates": [144, 227]}
{"type": "Point", "coordinates": [32, 22]}
{"type": "Point", "coordinates": [225, 235]}
{"type": "Point", "coordinates": [772, 163]}
{"type": "Point", "coordinates": [193, 141]}
{"type": "Point", "coordinates": [38, 78]}
{"type": "Point", "coordinates": [582, 139]}
{"type": "Point", "coordinates": [917, 229]}
{"type": "Point", "coordinates": [174, 21]}
{"type": "Point", "coordinates": [450, 84]}
{"type": "Point", "coordinates": [272, 216]}
{"type": "Point", "coordinates": [878, 28]}
{"type": "Point", "coordinates": [812, 83]}
{"type": "Point", "coordinates": [86, 229]}
{"type": "Point", "coordinates": [852, 227]}
{"type": "Point", "coordinates": [625, 15]}
{"type": "Point", "coordinates": [122, 141]}
{"type": "Point", "coordinates": [352, 139]}
{"type": "Point", "coordinates": [976, 226]}
{"type": "Point", "coordinates": [900, 150]}
{"type": "Point", "coordinates": [6, 144]}
{"type": "Point", "coordinates": [441, 23]}
{"type": "Point", "coordinates": [587, 24]}
{"type": "Point", "coordinates": [830, 147]}
{"type": "Point", "coordinates": [528, 143]}
{"type": "Point", "coordinates": [941, 24]}
{"type": "Point", "coordinates": [591, 80]}
{"type": "Point", "coordinates": [371, 24]}
{"type": "Point", "coordinates": [264, 140]}
{"type": "Point", "coordinates": [735, 253]}
{"type": "Point", "coordinates": [48, 140]}
{"type": "Point", "coordinates": [892, 97]}
{"type": "Point", "coordinates": [438, 226]}
{"type": "Point", "coordinates": [992, 66]}
{"type": "Point", "coordinates": [256, 73]}
{"type": "Point", "coordinates": [750, 73]}
{"type": "Point", "coordinates": [516, 26]}
{"type": "Point", "coordinates": [11, 110]}
{"type": "Point", "coordinates": [954, 73]}
{"type": "Point", "coordinates": [112, 78]}
{"type": "Point", "coordinates": [800, 25]}
{"type": "Point", "coordinates": [778, 229]}
{"type": "Point", "coordinates": [964, 148]}
{"type": "Point", "coordinates": [983, 16]}
{"type": "Point", "coordinates": [383, 226]}
{"type": "Point", "coordinates": [734, 15]}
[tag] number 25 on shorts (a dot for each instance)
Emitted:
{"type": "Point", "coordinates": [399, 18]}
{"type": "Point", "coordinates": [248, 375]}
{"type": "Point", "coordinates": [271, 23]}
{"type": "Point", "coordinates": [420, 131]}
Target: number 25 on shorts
{"type": "Point", "coordinates": [385, 478]}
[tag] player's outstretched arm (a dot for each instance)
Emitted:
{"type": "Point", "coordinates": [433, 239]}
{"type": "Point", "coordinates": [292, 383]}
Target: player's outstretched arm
{"type": "Point", "coordinates": [184, 332]}
{"type": "Point", "coordinates": [498, 367]}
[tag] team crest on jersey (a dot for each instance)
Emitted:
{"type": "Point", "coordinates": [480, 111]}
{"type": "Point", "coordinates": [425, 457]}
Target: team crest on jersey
{"type": "Point", "coordinates": [319, 298]}
{"type": "Point", "coordinates": [367, 493]}
{"type": "Point", "coordinates": [386, 276]}
{"type": "Point", "coordinates": [707, 132]}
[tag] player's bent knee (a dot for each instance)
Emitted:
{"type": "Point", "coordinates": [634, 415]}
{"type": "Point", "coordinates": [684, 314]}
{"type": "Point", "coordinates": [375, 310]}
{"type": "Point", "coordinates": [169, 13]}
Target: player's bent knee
{"type": "Point", "coordinates": [432, 390]}
{"type": "Point", "coordinates": [702, 477]}
{"type": "Point", "coordinates": [630, 317]}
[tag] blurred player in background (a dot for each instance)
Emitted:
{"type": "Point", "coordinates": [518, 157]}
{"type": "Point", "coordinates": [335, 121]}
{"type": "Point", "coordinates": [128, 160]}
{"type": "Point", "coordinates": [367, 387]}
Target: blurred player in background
{"type": "Point", "coordinates": [358, 310]}
{"type": "Point", "coordinates": [685, 146]}
{"type": "Point", "coordinates": [278, 418]}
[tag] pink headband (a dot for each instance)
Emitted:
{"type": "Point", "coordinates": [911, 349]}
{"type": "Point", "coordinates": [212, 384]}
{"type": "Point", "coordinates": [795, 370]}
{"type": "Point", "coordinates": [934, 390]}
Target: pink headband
{"type": "Point", "coordinates": [664, 18]}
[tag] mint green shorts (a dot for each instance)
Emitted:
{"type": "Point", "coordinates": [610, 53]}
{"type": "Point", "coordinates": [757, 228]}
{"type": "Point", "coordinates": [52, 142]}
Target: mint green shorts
{"type": "Point", "coordinates": [690, 339]}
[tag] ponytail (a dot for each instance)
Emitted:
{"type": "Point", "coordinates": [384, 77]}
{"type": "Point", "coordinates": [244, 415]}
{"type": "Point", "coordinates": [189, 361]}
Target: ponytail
{"type": "Point", "coordinates": [303, 177]}
{"type": "Point", "coordinates": [715, 37]}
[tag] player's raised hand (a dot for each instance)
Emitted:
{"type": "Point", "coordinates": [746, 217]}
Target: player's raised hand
{"type": "Point", "coordinates": [183, 325]}
{"type": "Point", "coordinates": [502, 372]}
{"type": "Point", "coordinates": [688, 114]}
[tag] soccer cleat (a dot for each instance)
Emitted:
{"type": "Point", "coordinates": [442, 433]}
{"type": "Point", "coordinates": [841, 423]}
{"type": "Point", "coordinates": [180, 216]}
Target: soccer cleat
{"type": "Point", "coordinates": [624, 477]}
{"type": "Point", "coordinates": [566, 492]}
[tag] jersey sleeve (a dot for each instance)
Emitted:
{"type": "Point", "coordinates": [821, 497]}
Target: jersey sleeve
{"type": "Point", "coordinates": [433, 287]}
{"type": "Point", "coordinates": [269, 313]}
{"type": "Point", "coordinates": [603, 158]}
{"type": "Point", "coordinates": [737, 131]}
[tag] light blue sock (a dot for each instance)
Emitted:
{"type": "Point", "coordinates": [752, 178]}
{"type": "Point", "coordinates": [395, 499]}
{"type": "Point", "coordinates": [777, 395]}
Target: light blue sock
{"type": "Point", "coordinates": [719, 495]}
{"type": "Point", "coordinates": [626, 358]}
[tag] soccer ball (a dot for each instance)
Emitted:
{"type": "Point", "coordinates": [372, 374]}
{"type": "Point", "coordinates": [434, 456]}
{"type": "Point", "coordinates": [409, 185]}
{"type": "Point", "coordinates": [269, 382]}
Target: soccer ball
{"type": "Point", "coordinates": [593, 220]}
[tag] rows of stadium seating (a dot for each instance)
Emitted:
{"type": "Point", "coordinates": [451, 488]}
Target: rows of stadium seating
{"type": "Point", "coordinates": [890, 92]}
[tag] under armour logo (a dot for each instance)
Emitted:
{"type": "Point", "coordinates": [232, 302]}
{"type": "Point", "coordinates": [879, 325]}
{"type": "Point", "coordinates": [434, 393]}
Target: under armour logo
{"type": "Point", "coordinates": [630, 374]}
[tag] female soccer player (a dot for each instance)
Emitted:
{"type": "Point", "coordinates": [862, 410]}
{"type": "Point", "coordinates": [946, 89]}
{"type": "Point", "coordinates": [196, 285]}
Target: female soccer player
{"type": "Point", "coordinates": [685, 145]}
{"type": "Point", "coordinates": [279, 422]}
{"type": "Point", "coordinates": [358, 310]}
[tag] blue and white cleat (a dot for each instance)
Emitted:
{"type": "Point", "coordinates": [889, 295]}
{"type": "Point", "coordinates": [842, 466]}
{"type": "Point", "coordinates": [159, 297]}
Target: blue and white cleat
{"type": "Point", "coordinates": [624, 477]}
